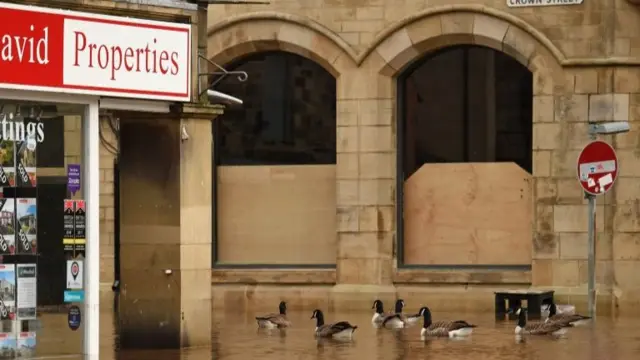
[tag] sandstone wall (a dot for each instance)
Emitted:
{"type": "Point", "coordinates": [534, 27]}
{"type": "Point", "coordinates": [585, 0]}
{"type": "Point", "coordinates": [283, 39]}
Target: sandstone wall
{"type": "Point", "coordinates": [579, 56]}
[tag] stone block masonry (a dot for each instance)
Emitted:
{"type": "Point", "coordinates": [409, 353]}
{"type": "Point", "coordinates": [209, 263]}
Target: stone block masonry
{"type": "Point", "coordinates": [583, 59]}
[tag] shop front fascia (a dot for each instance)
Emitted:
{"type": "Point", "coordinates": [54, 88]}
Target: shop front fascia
{"type": "Point", "coordinates": [58, 63]}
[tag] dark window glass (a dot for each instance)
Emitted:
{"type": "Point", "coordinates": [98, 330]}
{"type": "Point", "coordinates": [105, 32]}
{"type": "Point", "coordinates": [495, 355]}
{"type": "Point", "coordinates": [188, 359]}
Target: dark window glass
{"type": "Point", "coordinates": [50, 152]}
{"type": "Point", "coordinates": [288, 115]}
{"type": "Point", "coordinates": [467, 104]}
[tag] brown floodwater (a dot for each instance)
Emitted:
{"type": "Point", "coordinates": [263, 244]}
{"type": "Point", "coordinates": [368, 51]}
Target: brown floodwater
{"type": "Point", "coordinates": [235, 337]}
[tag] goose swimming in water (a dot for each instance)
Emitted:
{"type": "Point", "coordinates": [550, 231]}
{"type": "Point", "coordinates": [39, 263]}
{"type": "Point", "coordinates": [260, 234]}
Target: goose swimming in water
{"type": "Point", "coordinates": [272, 321]}
{"type": "Point", "coordinates": [394, 320]}
{"type": "Point", "coordinates": [378, 315]}
{"type": "Point", "coordinates": [409, 320]}
{"type": "Point", "coordinates": [537, 328]}
{"type": "Point", "coordinates": [458, 328]}
{"type": "Point", "coordinates": [566, 320]}
{"type": "Point", "coordinates": [338, 330]}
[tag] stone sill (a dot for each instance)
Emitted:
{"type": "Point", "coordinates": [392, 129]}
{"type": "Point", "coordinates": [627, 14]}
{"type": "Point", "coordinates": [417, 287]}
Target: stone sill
{"type": "Point", "coordinates": [273, 276]}
{"type": "Point", "coordinates": [484, 277]}
{"type": "Point", "coordinates": [408, 276]}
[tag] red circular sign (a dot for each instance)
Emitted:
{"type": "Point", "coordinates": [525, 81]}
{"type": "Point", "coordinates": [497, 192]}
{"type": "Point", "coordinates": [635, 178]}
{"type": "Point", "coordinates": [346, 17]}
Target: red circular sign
{"type": "Point", "coordinates": [597, 167]}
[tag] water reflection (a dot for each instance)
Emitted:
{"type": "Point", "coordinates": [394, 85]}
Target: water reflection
{"type": "Point", "coordinates": [236, 337]}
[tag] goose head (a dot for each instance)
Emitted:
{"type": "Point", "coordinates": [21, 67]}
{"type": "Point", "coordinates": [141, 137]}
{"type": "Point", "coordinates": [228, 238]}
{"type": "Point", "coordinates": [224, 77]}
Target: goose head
{"type": "Point", "coordinates": [522, 316]}
{"type": "Point", "coordinates": [317, 314]}
{"type": "Point", "coordinates": [283, 308]}
{"type": "Point", "coordinates": [426, 315]}
{"type": "Point", "coordinates": [378, 306]}
{"type": "Point", "coordinates": [552, 309]}
{"type": "Point", "coordinates": [399, 306]}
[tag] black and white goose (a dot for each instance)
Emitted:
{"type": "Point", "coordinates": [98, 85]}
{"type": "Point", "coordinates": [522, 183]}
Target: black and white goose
{"type": "Point", "coordinates": [394, 320]}
{"type": "Point", "coordinates": [565, 320]}
{"type": "Point", "coordinates": [409, 320]}
{"type": "Point", "coordinates": [272, 321]}
{"type": "Point", "coordinates": [378, 314]}
{"type": "Point", "coordinates": [536, 328]}
{"type": "Point", "coordinates": [458, 328]}
{"type": "Point", "coordinates": [338, 330]}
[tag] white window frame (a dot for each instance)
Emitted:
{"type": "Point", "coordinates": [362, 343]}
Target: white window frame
{"type": "Point", "coordinates": [91, 194]}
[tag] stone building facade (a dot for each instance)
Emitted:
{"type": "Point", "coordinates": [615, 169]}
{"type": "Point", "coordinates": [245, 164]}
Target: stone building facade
{"type": "Point", "coordinates": [584, 62]}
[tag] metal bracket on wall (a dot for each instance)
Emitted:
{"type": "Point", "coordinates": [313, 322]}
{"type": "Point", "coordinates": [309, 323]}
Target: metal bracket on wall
{"type": "Point", "coordinates": [216, 76]}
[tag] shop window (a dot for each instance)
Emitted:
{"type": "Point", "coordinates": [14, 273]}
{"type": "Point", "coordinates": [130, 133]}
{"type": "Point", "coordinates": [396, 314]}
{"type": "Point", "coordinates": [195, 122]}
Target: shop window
{"type": "Point", "coordinates": [51, 150]}
{"type": "Point", "coordinates": [288, 116]}
{"type": "Point", "coordinates": [33, 188]}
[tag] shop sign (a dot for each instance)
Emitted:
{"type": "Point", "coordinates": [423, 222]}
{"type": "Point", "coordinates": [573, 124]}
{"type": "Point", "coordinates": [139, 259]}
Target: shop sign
{"type": "Point", "coordinates": [528, 3]}
{"type": "Point", "coordinates": [64, 51]}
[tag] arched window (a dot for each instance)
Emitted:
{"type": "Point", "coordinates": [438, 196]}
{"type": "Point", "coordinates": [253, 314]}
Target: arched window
{"type": "Point", "coordinates": [275, 165]}
{"type": "Point", "coordinates": [465, 143]}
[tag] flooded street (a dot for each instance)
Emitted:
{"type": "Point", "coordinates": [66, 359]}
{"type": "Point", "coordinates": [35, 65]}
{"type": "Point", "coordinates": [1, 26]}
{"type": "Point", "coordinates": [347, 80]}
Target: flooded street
{"type": "Point", "coordinates": [236, 337]}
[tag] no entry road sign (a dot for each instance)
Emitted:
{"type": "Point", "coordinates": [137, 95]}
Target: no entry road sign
{"type": "Point", "coordinates": [597, 167]}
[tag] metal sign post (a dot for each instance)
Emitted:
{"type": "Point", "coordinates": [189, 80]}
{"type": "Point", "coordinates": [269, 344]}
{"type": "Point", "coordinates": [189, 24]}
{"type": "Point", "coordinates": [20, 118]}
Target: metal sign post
{"type": "Point", "coordinates": [597, 171]}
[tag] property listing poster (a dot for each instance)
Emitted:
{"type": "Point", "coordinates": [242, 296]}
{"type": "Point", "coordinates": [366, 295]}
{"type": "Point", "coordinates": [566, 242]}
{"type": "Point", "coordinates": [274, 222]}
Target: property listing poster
{"type": "Point", "coordinates": [26, 221]}
{"type": "Point", "coordinates": [8, 345]}
{"type": "Point", "coordinates": [7, 161]}
{"type": "Point", "coordinates": [26, 345]}
{"type": "Point", "coordinates": [26, 293]}
{"type": "Point", "coordinates": [7, 226]}
{"type": "Point", "coordinates": [7, 292]}
{"type": "Point", "coordinates": [26, 153]}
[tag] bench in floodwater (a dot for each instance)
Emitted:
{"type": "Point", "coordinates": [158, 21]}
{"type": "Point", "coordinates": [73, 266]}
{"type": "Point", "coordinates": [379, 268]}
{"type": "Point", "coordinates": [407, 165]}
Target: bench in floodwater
{"type": "Point", "coordinates": [512, 299]}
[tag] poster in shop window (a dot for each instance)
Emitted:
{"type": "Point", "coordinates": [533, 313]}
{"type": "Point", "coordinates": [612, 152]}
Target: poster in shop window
{"type": "Point", "coordinates": [7, 292]}
{"type": "Point", "coordinates": [26, 153]}
{"type": "Point", "coordinates": [26, 345]}
{"type": "Point", "coordinates": [7, 159]}
{"type": "Point", "coordinates": [26, 293]}
{"type": "Point", "coordinates": [26, 221]}
{"type": "Point", "coordinates": [8, 345]}
{"type": "Point", "coordinates": [7, 226]}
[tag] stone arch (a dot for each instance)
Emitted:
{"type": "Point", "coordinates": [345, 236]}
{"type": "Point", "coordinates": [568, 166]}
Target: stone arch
{"type": "Point", "coordinates": [412, 38]}
{"type": "Point", "coordinates": [245, 34]}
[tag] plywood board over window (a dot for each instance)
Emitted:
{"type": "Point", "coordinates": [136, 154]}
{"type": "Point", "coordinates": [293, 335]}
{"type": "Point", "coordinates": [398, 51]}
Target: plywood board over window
{"type": "Point", "coordinates": [284, 214]}
{"type": "Point", "coordinates": [468, 214]}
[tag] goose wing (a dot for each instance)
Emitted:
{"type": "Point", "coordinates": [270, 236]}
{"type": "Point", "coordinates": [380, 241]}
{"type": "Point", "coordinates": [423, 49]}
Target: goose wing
{"type": "Point", "coordinates": [568, 317]}
{"type": "Point", "coordinates": [280, 320]}
{"type": "Point", "coordinates": [388, 318]}
{"type": "Point", "coordinates": [439, 324]}
{"type": "Point", "coordinates": [267, 317]}
{"type": "Point", "coordinates": [459, 324]}
{"type": "Point", "coordinates": [541, 328]}
{"type": "Point", "coordinates": [436, 331]}
{"type": "Point", "coordinates": [330, 329]}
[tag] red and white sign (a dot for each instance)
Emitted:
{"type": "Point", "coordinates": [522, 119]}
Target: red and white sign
{"type": "Point", "coordinates": [64, 51]}
{"type": "Point", "coordinates": [597, 167]}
